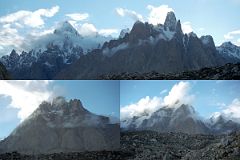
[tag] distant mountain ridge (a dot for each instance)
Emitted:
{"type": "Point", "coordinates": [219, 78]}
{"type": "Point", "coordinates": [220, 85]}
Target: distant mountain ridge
{"type": "Point", "coordinates": [51, 53]}
{"type": "Point", "coordinates": [61, 126]}
{"type": "Point", "coordinates": [146, 48]}
{"type": "Point", "coordinates": [180, 119]}
{"type": "Point", "coordinates": [162, 48]}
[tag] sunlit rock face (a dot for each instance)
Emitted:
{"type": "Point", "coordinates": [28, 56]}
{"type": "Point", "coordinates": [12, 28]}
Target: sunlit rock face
{"type": "Point", "coordinates": [61, 126]}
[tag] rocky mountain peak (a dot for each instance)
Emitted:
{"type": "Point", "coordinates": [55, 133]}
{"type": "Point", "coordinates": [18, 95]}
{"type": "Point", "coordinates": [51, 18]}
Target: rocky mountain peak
{"type": "Point", "coordinates": [227, 44]}
{"type": "Point", "coordinates": [66, 28]}
{"type": "Point", "coordinates": [171, 21]}
{"type": "Point", "coordinates": [139, 31]}
{"type": "Point", "coordinates": [59, 104]}
{"type": "Point", "coordinates": [228, 49]}
{"type": "Point", "coordinates": [14, 54]}
{"type": "Point", "coordinates": [179, 27]}
{"type": "Point", "coordinates": [208, 41]}
{"type": "Point", "coordinates": [185, 110]}
{"type": "Point", "coordinates": [61, 126]}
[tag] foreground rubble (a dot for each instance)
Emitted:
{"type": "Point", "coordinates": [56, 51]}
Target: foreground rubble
{"type": "Point", "coordinates": [150, 145]}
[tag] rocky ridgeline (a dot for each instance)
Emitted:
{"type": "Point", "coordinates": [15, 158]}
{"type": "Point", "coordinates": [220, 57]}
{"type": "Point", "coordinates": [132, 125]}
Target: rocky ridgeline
{"type": "Point", "coordinates": [148, 145]}
{"type": "Point", "coordinates": [103, 155]}
{"type": "Point", "coordinates": [226, 72]}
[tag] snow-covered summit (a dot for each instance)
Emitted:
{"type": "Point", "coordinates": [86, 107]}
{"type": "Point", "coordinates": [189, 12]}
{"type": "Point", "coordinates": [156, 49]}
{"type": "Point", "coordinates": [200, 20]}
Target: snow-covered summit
{"type": "Point", "coordinates": [65, 28]}
{"type": "Point", "coordinates": [229, 49]}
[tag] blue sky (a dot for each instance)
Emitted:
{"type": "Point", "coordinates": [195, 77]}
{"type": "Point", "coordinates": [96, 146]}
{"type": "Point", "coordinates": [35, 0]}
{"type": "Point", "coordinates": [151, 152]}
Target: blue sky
{"type": "Point", "coordinates": [207, 97]}
{"type": "Point", "coordinates": [216, 17]}
{"type": "Point", "coordinates": [18, 99]}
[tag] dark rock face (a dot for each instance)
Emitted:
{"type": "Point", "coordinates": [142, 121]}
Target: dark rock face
{"type": "Point", "coordinates": [62, 126]}
{"type": "Point", "coordinates": [147, 145]}
{"type": "Point", "coordinates": [171, 21]}
{"type": "Point", "coordinates": [226, 72]}
{"type": "Point", "coordinates": [3, 72]}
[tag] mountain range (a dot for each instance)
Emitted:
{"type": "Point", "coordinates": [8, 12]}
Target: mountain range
{"type": "Point", "coordinates": [61, 126]}
{"type": "Point", "coordinates": [163, 48]}
{"type": "Point", "coordinates": [51, 53]}
{"type": "Point", "coordinates": [180, 118]}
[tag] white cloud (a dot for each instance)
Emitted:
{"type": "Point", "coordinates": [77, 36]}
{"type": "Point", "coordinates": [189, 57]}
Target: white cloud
{"type": "Point", "coordinates": [146, 104]}
{"type": "Point", "coordinates": [163, 91]}
{"type": "Point", "coordinates": [201, 29]}
{"type": "Point", "coordinates": [25, 95]}
{"type": "Point", "coordinates": [29, 18]}
{"type": "Point", "coordinates": [41, 33]}
{"type": "Point", "coordinates": [178, 95]}
{"type": "Point", "coordinates": [78, 16]}
{"type": "Point", "coordinates": [186, 27]}
{"type": "Point", "coordinates": [221, 105]}
{"type": "Point", "coordinates": [232, 111]}
{"type": "Point", "coordinates": [13, 28]}
{"type": "Point", "coordinates": [129, 13]}
{"type": "Point", "coordinates": [87, 29]}
{"type": "Point", "coordinates": [107, 32]}
{"type": "Point", "coordinates": [158, 14]}
{"type": "Point", "coordinates": [230, 35]}
{"type": "Point", "coordinates": [10, 39]}
{"type": "Point", "coordinates": [238, 42]}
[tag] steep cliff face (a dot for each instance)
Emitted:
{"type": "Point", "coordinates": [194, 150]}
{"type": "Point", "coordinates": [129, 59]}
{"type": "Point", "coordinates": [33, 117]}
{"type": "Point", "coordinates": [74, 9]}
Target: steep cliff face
{"type": "Point", "coordinates": [61, 126]}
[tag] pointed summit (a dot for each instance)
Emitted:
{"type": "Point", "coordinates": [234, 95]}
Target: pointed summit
{"type": "Point", "coordinates": [66, 28]}
{"type": "Point", "coordinates": [208, 41]}
{"type": "Point", "coordinates": [139, 31]}
{"type": "Point", "coordinates": [170, 21]}
{"type": "Point", "coordinates": [60, 127]}
{"type": "Point", "coordinates": [179, 27]}
{"type": "Point", "coordinates": [13, 53]}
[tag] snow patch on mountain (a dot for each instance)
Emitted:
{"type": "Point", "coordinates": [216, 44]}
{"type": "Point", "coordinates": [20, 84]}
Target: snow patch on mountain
{"type": "Point", "coordinates": [229, 49]}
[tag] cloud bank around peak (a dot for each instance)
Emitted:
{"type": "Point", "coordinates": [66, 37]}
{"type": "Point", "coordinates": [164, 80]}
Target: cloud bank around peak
{"type": "Point", "coordinates": [178, 95]}
{"type": "Point", "coordinates": [231, 111]}
{"type": "Point", "coordinates": [157, 15]}
{"type": "Point", "coordinates": [129, 13]}
{"type": "Point", "coordinates": [32, 19]}
{"type": "Point", "coordinates": [26, 95]}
